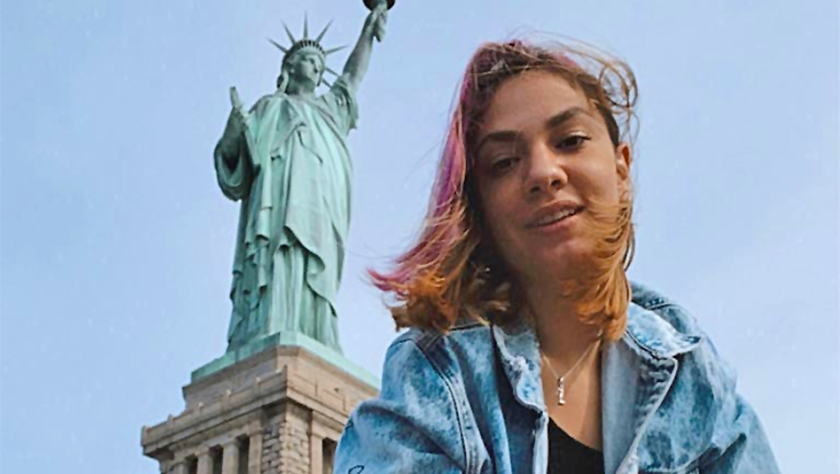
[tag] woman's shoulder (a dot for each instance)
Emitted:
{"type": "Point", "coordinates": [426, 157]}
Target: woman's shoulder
{"type": "Point", "coordinates": [702, 407]}
{"type": "Point", "coordinates": [667, 329]}
{"type": "Point", "coordinates": [416, 424]}
{"type": "Point", "coordinates": [703, 393]}
{"type": "Point", "coordinates": [665, 307]}
{"type": "Point", "coordinates": [447, 353]}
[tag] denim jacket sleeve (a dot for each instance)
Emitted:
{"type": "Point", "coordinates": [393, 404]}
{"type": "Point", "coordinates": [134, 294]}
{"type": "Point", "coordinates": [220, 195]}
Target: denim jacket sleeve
{"type": "Point", "coordinates": [739, 444]}
{"type": "Point", "coordinates": [746, 451]}
{"type": "Point", "coordinates": [410, 427]}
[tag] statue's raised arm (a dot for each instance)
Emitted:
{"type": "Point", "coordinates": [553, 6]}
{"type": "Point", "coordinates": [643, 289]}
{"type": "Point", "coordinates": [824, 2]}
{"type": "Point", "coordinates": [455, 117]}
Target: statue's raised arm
{"type": "Point", "coordinates": [374, 28]}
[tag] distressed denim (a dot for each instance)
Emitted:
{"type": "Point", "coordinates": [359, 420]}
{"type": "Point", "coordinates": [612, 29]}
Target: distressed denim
{"type": "Point", "coordinates": [471, 401]}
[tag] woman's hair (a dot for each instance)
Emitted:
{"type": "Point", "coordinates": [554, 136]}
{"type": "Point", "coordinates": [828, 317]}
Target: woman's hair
{"type": "Point", "coordinates": [453, 271]}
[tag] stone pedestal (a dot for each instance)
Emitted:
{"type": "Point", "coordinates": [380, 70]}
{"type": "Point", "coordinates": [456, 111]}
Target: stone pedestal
{"type": "Point", "coordinates": [278, 410]}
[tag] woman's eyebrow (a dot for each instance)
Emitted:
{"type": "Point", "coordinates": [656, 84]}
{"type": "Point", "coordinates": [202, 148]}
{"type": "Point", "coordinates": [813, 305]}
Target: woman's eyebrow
{"type": "Point", "coordinates": [503, 136]}
{"type": "Point", "coordinates": [565, 116]}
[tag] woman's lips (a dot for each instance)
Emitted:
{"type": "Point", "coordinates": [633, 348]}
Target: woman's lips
{"type": "Point", "coordinates": [557, 223]}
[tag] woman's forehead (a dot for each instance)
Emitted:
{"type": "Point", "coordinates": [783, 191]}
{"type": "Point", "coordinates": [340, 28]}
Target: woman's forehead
{"type": "Point", "coordinates": [530, 99]}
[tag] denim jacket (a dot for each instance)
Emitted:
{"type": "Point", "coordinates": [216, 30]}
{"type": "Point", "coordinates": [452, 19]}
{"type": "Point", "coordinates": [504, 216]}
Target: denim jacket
{"type": "Point", "coordinates": [471, 401]}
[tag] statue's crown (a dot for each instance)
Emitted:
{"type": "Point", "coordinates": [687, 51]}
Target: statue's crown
{"type": "Point", "coordinates": [307, 43]}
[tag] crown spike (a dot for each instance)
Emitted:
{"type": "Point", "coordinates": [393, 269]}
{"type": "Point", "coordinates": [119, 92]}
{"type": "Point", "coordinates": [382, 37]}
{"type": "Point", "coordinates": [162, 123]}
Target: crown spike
{"type": "Point", "coordinates": [323, 81]}
{"type": "Point", "coordinates": [305, 26]}
{"type": "Point", "coordinates": [289, 33]}
{"type": "Point", "coordinates": [329, 70]}
{"type": "Point", "coordinates": [281, 48]}
{"type": "Point", "coordinates": [321, 36]}
{"type": "Point", "coordinates": [333, 50]}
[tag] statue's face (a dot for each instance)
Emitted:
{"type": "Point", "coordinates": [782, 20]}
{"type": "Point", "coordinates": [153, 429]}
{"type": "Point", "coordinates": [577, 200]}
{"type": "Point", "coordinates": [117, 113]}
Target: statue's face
{"type": "Point", "coordinates": [306, 69]}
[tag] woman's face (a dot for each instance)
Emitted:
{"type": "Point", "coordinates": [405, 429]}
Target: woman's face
{"type": "Point", "coordinates": [543, 157]}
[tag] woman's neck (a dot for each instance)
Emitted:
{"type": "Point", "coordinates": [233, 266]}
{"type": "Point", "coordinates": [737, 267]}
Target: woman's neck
{"type": "Point", "coordinates": [562, 335]}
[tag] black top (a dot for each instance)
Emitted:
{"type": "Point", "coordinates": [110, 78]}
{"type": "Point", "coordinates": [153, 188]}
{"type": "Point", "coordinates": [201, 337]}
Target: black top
{"type": "Point", "coordinates": [568, 455]}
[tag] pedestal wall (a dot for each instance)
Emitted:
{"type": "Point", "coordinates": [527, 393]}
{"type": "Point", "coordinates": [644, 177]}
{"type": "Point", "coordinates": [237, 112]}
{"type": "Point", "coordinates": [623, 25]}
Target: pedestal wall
{"type": "Point", "coordinates": [281, 410]}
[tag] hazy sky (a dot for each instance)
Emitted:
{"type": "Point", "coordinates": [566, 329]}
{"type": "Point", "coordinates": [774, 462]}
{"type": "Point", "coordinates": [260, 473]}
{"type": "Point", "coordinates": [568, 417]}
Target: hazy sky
{"type": "Point", "coordinates": [117, 243]}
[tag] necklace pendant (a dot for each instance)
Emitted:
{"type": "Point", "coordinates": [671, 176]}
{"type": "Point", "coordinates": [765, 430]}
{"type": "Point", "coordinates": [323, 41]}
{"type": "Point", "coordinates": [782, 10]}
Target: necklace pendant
{"type": "Point", "coordinates": [561, 391]}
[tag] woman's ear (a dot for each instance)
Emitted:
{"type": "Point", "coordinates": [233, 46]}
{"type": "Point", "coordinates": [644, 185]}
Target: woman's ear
{"type": "Point", "coordinates": [623, 159]}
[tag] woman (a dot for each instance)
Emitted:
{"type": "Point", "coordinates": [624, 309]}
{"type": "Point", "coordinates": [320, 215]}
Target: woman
{"type": "Point", "coordinates": [530, 351]}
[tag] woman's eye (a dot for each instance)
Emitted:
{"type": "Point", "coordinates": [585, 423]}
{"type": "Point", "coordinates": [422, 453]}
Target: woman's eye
{"type": "Point", "coordinates": [572, 142]}
{"type": "Point", "coordinates": [503, 164]}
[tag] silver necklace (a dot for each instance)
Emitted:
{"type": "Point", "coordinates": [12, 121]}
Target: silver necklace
{"type": "Point", "coordinates": [561, 379]}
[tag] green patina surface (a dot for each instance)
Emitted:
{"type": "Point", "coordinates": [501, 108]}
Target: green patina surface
{"type": "Point", "coordinates": [286, 339]}
{"type": "Point", "coordinates": [287, 162]}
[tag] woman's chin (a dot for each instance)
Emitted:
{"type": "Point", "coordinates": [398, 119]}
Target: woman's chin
{"type": "Point", "coordinates": [562, 261]}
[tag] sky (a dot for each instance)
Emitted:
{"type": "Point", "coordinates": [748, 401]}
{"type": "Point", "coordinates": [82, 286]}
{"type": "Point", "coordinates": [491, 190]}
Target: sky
{"type": "Point", "coordinates": [116, 244]}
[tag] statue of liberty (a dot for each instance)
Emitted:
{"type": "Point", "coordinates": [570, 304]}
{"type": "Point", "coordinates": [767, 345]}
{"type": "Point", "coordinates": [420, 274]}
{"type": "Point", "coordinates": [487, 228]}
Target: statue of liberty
{"type": "Point", "coordinates": [288, 163]}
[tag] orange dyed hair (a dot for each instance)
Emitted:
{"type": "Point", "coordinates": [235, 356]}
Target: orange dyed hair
{"type": "Point", "coordinates": [444, 276]}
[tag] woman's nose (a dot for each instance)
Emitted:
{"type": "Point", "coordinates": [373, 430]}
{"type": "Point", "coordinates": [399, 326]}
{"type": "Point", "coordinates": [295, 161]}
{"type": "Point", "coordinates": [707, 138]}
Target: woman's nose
{"type": "Point", "coordinates": [545, 171]}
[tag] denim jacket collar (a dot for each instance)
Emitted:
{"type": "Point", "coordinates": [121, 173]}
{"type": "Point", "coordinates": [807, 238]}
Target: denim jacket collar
{"type": "Point", "coordinates": [647, 331]}
{"type": "Point", "coordinates": [520, 355]}
{"type": "Point", "coordinates": [637, 372]}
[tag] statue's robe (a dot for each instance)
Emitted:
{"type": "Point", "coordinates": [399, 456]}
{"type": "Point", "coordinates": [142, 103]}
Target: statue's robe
{"type": "Point", "coordinates": [292, 172]}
